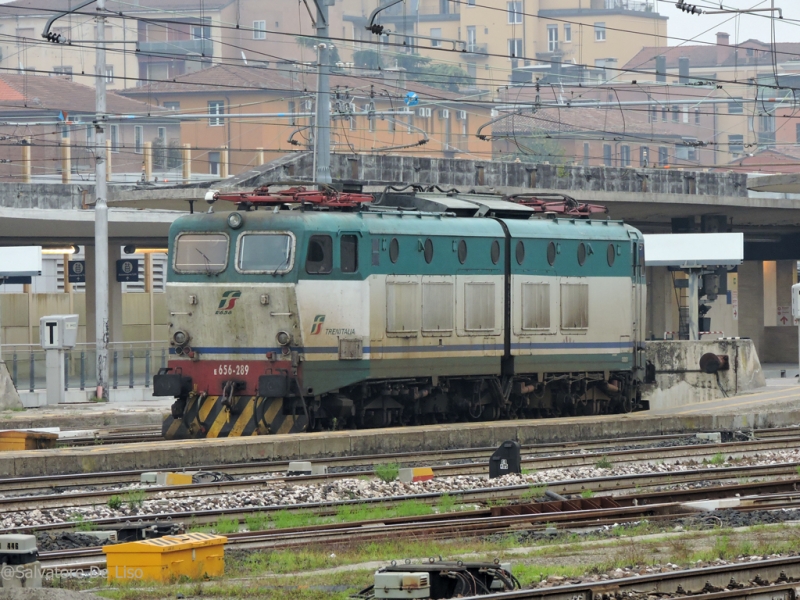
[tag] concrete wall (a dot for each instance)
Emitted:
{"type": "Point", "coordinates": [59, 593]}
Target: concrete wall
{"type": "Point", "coordinates": [21, 313]}
{"type": "Point", "coordinates": [679, 380]}
{"type": "Point", "coordinates": [471, 173]}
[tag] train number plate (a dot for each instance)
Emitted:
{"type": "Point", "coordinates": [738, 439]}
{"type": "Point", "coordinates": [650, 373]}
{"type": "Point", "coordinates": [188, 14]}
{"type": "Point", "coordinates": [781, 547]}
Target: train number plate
{"type": "Point", "coordinates": [240, 370]}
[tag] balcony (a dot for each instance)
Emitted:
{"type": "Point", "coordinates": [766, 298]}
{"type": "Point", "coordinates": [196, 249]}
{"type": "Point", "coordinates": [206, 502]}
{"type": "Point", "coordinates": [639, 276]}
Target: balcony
{"type": "Point", "coordinates": [477, 48]}
{"type": "Point", "coordinates": [202, 47]}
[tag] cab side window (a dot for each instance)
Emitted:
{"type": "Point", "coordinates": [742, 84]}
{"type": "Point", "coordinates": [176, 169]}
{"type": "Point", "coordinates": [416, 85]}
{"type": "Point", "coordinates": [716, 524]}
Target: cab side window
{"type": "Point", "coordinates": [319, 258]}
{"type": "Point", "coordinates": [349, 252]}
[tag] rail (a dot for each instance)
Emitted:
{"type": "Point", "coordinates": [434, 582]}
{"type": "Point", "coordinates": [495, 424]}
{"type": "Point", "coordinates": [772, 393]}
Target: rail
{"type": "Point", "coordinates": [132, 364]}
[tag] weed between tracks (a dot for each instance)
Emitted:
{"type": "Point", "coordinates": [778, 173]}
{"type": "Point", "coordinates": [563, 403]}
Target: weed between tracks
{"type": "Point", "coordinates": [335, 572]}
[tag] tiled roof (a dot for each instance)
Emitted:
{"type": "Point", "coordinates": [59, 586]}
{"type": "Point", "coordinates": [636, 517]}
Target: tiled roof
{"type": "Point", "coordinates": [230, 79]}
{"type": "Point", "coordinates": [38, 7]}
{"type": "Point", "coordinates": [59, 93]}
{"type": "Point", "coordinates": [714, 55]}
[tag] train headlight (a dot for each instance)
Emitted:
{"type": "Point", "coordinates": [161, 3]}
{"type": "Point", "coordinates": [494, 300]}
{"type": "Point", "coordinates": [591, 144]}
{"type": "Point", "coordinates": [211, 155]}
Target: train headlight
{"type": "Point", "coordinates": [180, 337]}
{"type": "Point", "coordinates": [284, 338]}
{"type": "Point", "coordinates": [235, 220]}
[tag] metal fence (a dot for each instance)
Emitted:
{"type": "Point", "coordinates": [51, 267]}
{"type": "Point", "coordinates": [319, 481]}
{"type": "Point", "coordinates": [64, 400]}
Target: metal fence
{"type": "Point", "coordinates": [131, 364]}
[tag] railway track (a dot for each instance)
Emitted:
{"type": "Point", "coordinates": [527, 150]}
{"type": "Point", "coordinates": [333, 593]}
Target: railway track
{"type": "Point", "coordinates": [474, 523]}
{"type": "Point", "coordinates": [11, 503]}
{"type": "Point", "coordinates": [483, 495]}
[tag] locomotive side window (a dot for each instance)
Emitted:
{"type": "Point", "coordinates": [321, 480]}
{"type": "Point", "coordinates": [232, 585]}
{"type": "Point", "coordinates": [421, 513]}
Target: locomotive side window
{"type": "Point", "coordinates": [265, 253]}
{"type": "Point", "coordinates": [319, 259]}
{"type": "Point", "coordinates": [428, 250]}
{"type": "Point", "coordinates": [394, 250]}
{"type": "Point", "coordinates": [520, 252]}
{"type": "Point", "coordinates": [581, 253]}
{"type": "Point", "coordinates": [349, 251]}
{"type": "Point", "coordinates": [462, 252]}
{"type": "Point", "coordinates": [201, 253]}
{"type": "Point", "coordinates": [611, 255]}
{"type": "Point", "coordinates": [551, 253]}
{"type": "Point", "coordinates": [495, 251]}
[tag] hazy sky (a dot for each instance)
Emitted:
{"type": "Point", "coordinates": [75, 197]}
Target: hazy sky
{"type": "Point", "coordinates": [743, 27]}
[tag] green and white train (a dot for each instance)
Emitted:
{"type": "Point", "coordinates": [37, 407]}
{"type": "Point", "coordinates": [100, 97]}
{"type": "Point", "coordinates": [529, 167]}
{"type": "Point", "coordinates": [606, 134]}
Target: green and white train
{"type": "Point", "coordinates": [303, 310]}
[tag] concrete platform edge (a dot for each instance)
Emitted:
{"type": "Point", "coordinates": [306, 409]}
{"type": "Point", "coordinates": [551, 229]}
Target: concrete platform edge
{"type": "Point", "coordinates": [192, 453]}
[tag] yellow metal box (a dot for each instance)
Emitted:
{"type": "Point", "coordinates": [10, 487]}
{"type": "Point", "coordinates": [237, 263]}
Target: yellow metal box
{"type": "Point", "coordinates": [26, 440]}
{"type": "Point", "coordinates": [193, 555]}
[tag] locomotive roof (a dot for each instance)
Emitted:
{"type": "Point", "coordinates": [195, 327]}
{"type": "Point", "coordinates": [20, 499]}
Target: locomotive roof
{"type": "Point", "coordinates": [400, 222]}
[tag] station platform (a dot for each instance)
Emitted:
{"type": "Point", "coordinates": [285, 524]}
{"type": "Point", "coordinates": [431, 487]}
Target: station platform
{"type": "Point", "coordinates": [777, 405]}
{"type": "Point", "coordinates": [89, 415]}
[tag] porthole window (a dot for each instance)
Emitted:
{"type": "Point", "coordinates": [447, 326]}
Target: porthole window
{"type": "Point", "coordinates": [462, 252]}
{"type": "Point", "coordinates": [551, 253]}
{"type": "Point", "coordinates": [581, 253]}
{"type": "Point", "coordinates": [611, 255]}
{"type": "Point", "coordinates": [394, 250]}
{"type": "Point", "coordinates": [520, 252]}
{"type": "Point", "coordinates": [495, 251]}
{"type": "Point", "coordinates": [428, 251]}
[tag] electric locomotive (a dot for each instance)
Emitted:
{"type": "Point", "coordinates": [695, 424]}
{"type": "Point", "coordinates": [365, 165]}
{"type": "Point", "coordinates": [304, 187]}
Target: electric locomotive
{"type": "Point", "coordinates": [303, 310]}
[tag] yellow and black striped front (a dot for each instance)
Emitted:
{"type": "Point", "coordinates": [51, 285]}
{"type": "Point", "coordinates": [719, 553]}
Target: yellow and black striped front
{"type": "Point", "coordinates": [208, 417]}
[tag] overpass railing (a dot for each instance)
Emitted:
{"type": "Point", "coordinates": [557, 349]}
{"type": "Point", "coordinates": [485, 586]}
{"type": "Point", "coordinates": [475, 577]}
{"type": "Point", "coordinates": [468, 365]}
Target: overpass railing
{"type": "Point", "coordinates": [131, 364]}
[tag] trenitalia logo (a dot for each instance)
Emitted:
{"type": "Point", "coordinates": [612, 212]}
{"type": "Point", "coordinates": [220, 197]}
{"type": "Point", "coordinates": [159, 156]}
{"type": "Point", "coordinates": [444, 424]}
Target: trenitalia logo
{"type": "Point", "coordinates": [228, 302]}
{"type": "Point", "coordinates": [316, 327]}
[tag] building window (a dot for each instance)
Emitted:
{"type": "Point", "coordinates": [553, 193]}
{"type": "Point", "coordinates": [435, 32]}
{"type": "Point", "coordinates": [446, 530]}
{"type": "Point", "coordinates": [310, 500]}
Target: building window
{"type": "Point", "coordinates": [172, 105]}
{"type": "Point", "coordinates": [162, 134]}
{"type": "Point", "coordinates": [470, 2]}
{"type": "Point", "coordinates": [201, 32]}
{"type": "Point", "coordinates": [644, 156]}
{"type": "Point", "coordinates": [664, 114]}
{"type": "Point", "coordinates": [63, 70]}
{"type": "Point", "coordinates": [607, 155]}
{"type": "Point", "coordinates": [436, 35]}
{"type": "Point", "coordinates": [663, 156]}
{"type": "Point", "coordinates": [472, 38]}
{"type": "Point", "coordinates": [736, 107]}
{"type": "Point", "coordinates": [472, 70]}
{"type": "Point", "coordinates": [797, 133]}
{"type": "Point", "coordinates": [653, 114]}
{"type": "Point", "coordinates": [213, 163]}
{"type": "Point", "coordinates": [514, 12]}
{"type": "Point", "coordinates": [259, 30]}
{"type": "Point", "coordinates": [138, 139]}
{"type": "Point", "coordinates": [552, 38]}
{"type": "Point", "coordinates": [515, 47]}
{"type": "Point", "coordinates": [370, 110]}
{"type": "Point", "coordinates": [567, 33]}
{"type": "Point", "coordinates": [675, 111]}
{"type": "Point", "coordinates": [89, 135]}
{"type": "Point", "coordinates": [736, 144]}
{"type": "Point", "coordinates": [599, 32]}
{"type": "Point", "coordinates": [216, 107]}
{"type": "Point", "coordinates": [114, 137]}
{"type": "Point", "coordinates": [444, 7]}
{"type": "Point", "coordinates": [109, 73]}
{"type": "Point", "coordinates": [624, 156]}
{"type": "Point", "coordinates": [410, 123]}
{"type": "Point", "coordinates": [697, 116]}
{"type": "Point", "coordinates": [585, 154]}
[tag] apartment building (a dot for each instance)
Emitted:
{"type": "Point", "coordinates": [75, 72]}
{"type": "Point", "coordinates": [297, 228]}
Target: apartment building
{"type": "Point", "coordinates": [750, 112]}
{"type": "Point", "coordinates": [488, 38]}
{"type": "Point", "coordinates": [248, 115]}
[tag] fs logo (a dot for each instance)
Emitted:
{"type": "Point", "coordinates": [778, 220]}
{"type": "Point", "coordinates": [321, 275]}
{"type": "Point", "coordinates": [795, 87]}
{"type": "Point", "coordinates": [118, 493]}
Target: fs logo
{"type": "Point", "coordinates": [228, 302]}
{"type": "Point", "coordinates": [316, 327]}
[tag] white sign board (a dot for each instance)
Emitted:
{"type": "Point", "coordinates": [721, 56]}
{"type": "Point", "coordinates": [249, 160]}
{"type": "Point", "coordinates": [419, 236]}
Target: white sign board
{"type": "Point", "coordinates": [785, 318]}
{"type": "Point", "coordinates": [20, 261]}
{"type": "Point", "coordinates": [693, 250]}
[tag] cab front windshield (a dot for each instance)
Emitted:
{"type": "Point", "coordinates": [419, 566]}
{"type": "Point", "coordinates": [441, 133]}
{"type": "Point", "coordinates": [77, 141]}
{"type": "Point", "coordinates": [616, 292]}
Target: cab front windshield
{"type": "Point", "coordinates": [265, 253]}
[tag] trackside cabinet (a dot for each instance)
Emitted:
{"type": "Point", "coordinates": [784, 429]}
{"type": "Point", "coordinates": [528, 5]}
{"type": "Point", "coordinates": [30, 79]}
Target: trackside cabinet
{"type": "Point", "coordinates": [193, 555]}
